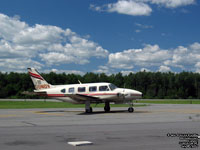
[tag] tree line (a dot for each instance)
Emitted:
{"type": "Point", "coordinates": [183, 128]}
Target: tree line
{"type": "Point", "coordinates": [155, 85]}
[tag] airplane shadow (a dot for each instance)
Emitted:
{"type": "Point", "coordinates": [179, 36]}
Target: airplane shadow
{"type": "Point", "coordinates": [93, 113]}
{"type": "Point", "coordinates": [103, 112]}
{"type": "Point", "coordinates": [112, 112]}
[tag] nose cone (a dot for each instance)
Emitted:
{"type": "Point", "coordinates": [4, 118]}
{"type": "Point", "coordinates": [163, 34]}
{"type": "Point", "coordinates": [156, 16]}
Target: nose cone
{"type": "Point", "coordinates": [140, 94]}
{"type": "Point", "coordinates": [136, 94]}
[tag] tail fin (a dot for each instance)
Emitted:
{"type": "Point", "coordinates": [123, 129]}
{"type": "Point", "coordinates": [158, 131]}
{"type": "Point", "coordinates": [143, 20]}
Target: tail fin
{"type": "Point", "coordinates": [38, 80]}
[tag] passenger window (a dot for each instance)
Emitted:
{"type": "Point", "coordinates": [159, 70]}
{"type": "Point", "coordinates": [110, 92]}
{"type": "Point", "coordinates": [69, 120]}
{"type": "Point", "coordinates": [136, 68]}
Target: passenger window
{"type": "Point", "coordinates": [71, 90]}
{"type": "Point", "coordinates": [63, 91]}
{"type": "Point", "coordinates": [92, 88]}
{"type": "Point", "coordinates": [81, 89]}
{"type": "Point", "coordinates": [103, 88]}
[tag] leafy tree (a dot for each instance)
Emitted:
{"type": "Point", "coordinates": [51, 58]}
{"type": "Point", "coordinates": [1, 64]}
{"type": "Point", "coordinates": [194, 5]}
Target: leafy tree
{"type": "Point", "coordinates": [151, 84]}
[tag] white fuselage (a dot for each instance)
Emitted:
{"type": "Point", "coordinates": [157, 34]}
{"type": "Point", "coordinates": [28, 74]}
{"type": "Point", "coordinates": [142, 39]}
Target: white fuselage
{"type": "Point", "coordinates": [103, 91]}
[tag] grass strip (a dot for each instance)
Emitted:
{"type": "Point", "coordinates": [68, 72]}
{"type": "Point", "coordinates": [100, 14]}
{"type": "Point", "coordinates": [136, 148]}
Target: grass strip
{"type": "Point", "coordinates": [43, 104]}
{"type": "Point", "coordinates": [172, 101]}
{"type": "Point", "coordinates": [48, 104]}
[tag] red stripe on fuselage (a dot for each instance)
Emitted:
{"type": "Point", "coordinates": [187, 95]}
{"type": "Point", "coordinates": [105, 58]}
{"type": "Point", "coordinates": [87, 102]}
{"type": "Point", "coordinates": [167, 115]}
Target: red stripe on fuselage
{"type": "Point", "coordinates": [56, 95]}
{"type": "Point", "coordinates": [101, 94]}
{"type": "Point", "coordinates": [93, 94]}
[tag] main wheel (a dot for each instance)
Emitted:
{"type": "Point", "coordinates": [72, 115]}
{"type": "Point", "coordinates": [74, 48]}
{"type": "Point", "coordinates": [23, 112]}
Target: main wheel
{"type": "Point", "coordinates": [130, 109]}
{"type": "Point", "coordinates": [107, 109]}
{"type": "Point", "coordinates": [89, 110]}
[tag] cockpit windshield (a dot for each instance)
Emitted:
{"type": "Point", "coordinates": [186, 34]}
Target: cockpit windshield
{"type": "Point", "coordinates": [112, 86]}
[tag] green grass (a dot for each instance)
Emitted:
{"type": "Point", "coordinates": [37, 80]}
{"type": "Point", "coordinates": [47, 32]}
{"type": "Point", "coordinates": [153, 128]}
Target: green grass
{"type": "Point", "coordinates": [49, 104]}
{"type": "Point", "coordinates": [43, 104]}
{"type": "Point", "coordinates": [172, 101]}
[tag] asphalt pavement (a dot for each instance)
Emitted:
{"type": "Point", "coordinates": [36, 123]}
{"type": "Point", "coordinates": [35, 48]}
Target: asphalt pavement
{"type": "Point", "coordinates": [147, 128]}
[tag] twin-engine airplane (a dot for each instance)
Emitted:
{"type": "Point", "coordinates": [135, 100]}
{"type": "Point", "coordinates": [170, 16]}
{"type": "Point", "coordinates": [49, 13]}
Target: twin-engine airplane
{"type": "Point", "coordinates": [86, 93]}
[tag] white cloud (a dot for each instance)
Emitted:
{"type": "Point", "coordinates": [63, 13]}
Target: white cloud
{"type": "Point", "coordinates": [51, 44]}
{"type": "Point", "coordinates": [120, 60]}
{"type": "Point", "coordinates": [96, 8]}
{"type": "Point", "coordinates": [103, 69]}
{"type": "Point", "coordinates": [58, 58]}
{"type": "Point", "coordinates": [126, 72]}
{"type": "Point", "coordinates": [18, 64]}
{"type": "Point", "coordinates": [140, 7]}
{"type": "Point", "coordinates": [195, 46]}
{"type": "Point", "coordinates": [65, 71]}
{"type": "Point", "coordinates": [172, 3]}
{"type": "Point", "coordinates": [127, 7]}
{"type": "Point", "coordinates": [164, 69]}
{"type": "Point", "coordinates": [78, 50]}
{"type": "Point", "coordinates": [185, 58]}
{"type": "Point", "coordinates": [197, 66]}
{"type": "Point", "coordinates": [145, 69]}
{"type": "Point", "coordinates": [130, 8]}
{"type": "Point", "coordinates": [39, 34]}
{"type": "Point", "coordinates": [143, 26]}
{"type": "Point", "coordinates": [150, 55]}
{"type": "Point", "coordinates": [9, 27]}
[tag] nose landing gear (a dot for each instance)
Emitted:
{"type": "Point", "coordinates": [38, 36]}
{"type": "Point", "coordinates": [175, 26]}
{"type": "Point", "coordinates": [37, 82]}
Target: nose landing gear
{"type": "Point", "coordinates": [131, 109]}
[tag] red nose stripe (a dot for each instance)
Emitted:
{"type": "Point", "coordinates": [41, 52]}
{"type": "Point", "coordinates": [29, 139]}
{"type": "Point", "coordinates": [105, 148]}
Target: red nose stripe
{"type": "Point", "coordinates": [35, 76]}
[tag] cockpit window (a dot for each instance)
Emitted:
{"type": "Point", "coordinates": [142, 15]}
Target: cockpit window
{"type": "Point", "coordinates": [103, 88]}
{"type": "Point", "coordinates": [112, 86]}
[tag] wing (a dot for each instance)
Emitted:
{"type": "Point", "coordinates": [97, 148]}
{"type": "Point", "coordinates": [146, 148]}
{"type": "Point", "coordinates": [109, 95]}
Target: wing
{"type": "Point", "coordinates": [80, 97]}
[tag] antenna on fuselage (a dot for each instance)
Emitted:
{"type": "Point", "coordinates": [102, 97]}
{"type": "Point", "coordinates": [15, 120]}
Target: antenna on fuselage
{"type": "Point", "coordinates": [79, 82]}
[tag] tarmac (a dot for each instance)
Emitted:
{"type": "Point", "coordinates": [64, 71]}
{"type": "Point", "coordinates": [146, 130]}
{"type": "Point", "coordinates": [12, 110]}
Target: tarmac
{"type": "Point", "coordinates": [148, 127]}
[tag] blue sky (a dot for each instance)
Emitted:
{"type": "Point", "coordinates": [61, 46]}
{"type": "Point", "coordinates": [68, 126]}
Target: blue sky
{"type": "Point", "coordinates": [110, 36]}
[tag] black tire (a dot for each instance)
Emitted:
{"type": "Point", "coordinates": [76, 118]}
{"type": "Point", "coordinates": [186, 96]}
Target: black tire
{"type": "Point", "coordinates": [107, 109]}
{"type": "Point", "coordinates": [91, 110]}
{"type": "Point", "coordinates": [88, 110]}
{"type": "Point", "coordinates": [130, 109]}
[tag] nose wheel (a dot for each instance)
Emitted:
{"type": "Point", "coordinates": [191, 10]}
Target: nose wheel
{"type": "Point", "coordinates": [130, 109]}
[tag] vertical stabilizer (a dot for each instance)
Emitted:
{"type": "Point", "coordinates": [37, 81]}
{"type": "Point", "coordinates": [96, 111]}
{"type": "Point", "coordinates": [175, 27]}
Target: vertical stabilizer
{"type": "Point", "coordinates": [38, 80]}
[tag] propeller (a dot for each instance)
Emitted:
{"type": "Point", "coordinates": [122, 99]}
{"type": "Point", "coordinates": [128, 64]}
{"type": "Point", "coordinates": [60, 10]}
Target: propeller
{"type": "Point", "coordinates": [122, 94]}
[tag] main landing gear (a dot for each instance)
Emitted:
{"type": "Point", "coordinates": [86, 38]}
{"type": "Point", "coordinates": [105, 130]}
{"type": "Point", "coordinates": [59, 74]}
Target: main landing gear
{"type": "Point", "coordinates": [107, 107]}
{"type": "Point", "coordinates": [88, 109]}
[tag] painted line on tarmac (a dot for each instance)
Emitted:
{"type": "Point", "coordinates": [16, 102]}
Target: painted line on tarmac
{"type": "Point", "coordinates": [186, 111]}
{"type": "Point", "coordinates": [52, 114]}
{"type": "Point", "coordinates": [9, 115]}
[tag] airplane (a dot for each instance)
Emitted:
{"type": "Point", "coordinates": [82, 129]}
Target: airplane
{"type": "Point", "coordinates": [86, 93]}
